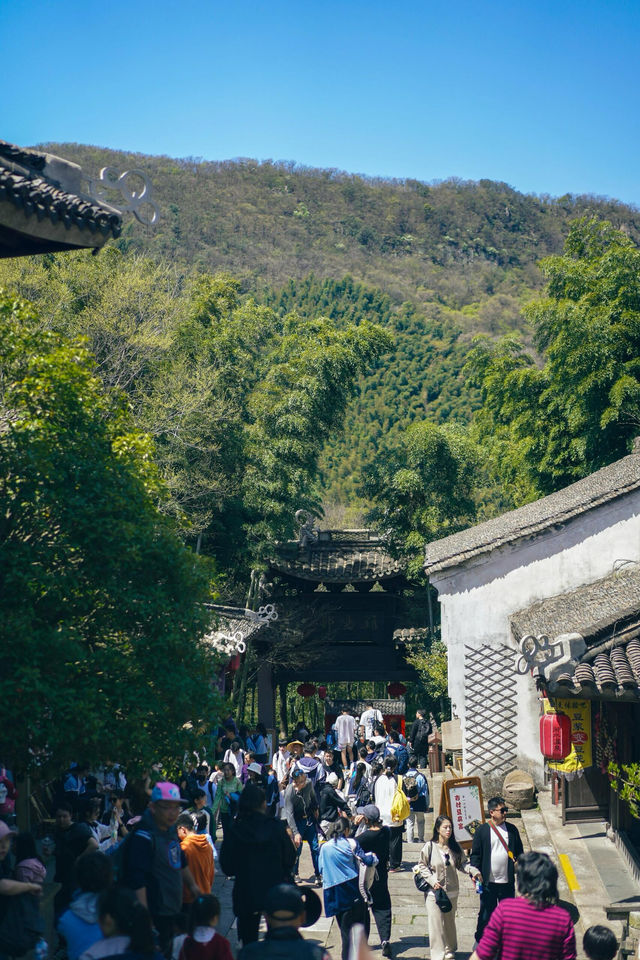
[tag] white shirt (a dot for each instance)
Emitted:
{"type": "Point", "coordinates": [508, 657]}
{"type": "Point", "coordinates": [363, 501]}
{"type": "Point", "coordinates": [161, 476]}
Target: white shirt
{"type": "Point", "coordinates": [369, 719]}
{"type": "Point", "coordinates": [383, 791]}
{"type": "Point", "coordinates": [280, 764]}
{"type": "Point", "coordinates": [345, 728]}
{"type": "Point", "coordinates": [499, 856]}
{"type": "Point", "coordinates": [237, 759]}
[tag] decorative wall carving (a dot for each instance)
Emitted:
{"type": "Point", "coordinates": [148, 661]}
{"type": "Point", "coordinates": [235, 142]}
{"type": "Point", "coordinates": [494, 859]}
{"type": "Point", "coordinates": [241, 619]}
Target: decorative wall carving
{"type": "Point", "coordinates": [490, 708]}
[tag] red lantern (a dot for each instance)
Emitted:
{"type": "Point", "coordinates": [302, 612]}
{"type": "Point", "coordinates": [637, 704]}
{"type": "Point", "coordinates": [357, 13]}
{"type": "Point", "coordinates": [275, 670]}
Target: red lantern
{"type": "Point", "coordinates": [234, 664]}
{"type": "Point", "coordinates": [322, 692]}
{"type": "Point", "coordinates": [396, 690]}
{"type": "Point", "coordinates": [555, 736]}
{"type": "Point", "coordinates": [306, 689]}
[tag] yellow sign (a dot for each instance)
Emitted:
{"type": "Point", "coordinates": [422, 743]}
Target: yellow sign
{"type": "Point", "coordinates": [579, 712]}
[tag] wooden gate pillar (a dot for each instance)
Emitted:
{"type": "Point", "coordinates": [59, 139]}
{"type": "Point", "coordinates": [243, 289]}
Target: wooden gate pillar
{"type": "Point", "coordinates": [266, 713]}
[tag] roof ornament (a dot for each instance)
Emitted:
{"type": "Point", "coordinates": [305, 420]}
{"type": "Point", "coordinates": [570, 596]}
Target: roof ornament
{"type": "Point", "coordinates": [308, 533]}
{"type": "Point", "coordinates": [227, 643]}
{"type": "Point", "coordinates": [266, 614]}
{"type": "Point", "coordinates": [538, 654]}
{"type": "Point", "coordinates": [132, 198]}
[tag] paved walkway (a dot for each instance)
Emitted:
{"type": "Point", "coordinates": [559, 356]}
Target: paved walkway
{"type": "Point", "coordinates": [597, 875]}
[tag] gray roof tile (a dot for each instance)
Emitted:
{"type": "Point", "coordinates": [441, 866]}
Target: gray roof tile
{"type": "Point", "coordinates": [606, 484]}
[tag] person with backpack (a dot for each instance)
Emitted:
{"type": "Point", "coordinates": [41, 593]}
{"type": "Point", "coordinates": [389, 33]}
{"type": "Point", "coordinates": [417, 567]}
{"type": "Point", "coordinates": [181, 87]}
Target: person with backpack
{"type": "Point", "coordinates": [394, 808]}
{"type": "Point", "coordinates": [155, 867]}
{"type": "Point", "coordinates": [396, 749]}
{"type": "Point", "coordinates": [311, 766]}
{"type": "Point", "coordinates": [370, 718]}
{"type": "Point", "coordinates": [419, 737]}
{"type": "Point", "coordinates": [359, 786]}
{"type": "Point", "coordinates": [416, 790]}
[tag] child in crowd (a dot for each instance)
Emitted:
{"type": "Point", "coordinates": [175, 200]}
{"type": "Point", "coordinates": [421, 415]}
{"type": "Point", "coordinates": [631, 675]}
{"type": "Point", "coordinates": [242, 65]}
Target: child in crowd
{"type": "Point", "coordinates": [126, 927]}
{"type": "Point", "coordinates": [203, 943]}
{"type": "Point", "coordinates": [29, 867]}
{"type": "Point", "coordinates": [599, 943]}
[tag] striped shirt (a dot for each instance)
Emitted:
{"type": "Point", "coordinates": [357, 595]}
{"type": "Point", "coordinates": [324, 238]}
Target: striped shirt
{"type": "Point", "coordinates": [518, 930]}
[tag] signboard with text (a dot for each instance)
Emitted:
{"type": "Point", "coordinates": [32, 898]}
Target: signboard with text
{"type": "Point", "coordinates": [462, 801]}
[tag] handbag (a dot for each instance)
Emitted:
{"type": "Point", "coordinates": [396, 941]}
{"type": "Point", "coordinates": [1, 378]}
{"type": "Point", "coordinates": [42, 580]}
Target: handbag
{"type": "Point", "coordinates": [442, 900]}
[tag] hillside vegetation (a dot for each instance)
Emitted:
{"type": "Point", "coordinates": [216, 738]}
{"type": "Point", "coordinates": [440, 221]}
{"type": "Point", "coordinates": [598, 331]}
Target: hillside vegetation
{"type": "Point", "coordinates": [434, 264]}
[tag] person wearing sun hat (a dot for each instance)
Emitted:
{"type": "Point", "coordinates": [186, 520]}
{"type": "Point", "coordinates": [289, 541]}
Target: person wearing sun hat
{"type": "Point", "coordinates": [155, 866]}
{"type": "Point", "coordinates": [286, 909]}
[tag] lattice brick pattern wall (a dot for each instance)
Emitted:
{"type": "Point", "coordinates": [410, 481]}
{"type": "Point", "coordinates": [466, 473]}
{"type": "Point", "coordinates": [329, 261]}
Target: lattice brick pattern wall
{"type": "Point", "coordinates": [490, 708]}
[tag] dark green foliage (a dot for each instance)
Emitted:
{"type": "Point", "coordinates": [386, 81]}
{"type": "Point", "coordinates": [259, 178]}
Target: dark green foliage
{"type": "Point", "coordinates": [545, 426]}
{"type": "Point", "coordinates": [102, 617]}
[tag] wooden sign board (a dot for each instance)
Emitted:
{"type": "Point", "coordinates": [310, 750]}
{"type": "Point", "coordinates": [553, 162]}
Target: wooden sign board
{"type": "Point", "coordinates": [462, 802]}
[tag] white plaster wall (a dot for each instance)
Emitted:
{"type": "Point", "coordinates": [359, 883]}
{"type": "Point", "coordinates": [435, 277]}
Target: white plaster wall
{"type": "Point", "coordinates": [478, 598]}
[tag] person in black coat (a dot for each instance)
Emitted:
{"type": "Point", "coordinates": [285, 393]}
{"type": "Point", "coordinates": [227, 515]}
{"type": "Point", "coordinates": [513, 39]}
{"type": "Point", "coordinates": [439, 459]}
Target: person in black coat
{"type": "Point", "coordinates": [418, 738]}
{"type": "Point", "coordinates": [495, 850]}
{"type": "Point", "coordinates": [259, 852]}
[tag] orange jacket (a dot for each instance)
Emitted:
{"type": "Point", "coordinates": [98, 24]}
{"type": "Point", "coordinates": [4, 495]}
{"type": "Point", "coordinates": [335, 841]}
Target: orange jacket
{"type": "Point", "coordinates": [199, 854]}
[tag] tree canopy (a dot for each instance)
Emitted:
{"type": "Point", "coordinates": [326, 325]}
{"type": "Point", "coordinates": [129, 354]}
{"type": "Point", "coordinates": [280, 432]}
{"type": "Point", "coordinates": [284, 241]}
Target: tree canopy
{"type": "Point", "coordinates": [101, 636]}
{"type": "Point", "coordinates": [548, 420]}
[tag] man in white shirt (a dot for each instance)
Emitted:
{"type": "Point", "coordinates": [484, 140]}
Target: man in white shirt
{"type": "Point", "coordinates": [370, 720]}
{"type": "Point", "coordinates": [281, 764]}
{"type": "Point", "coordinates": [496, 847]}
{"type": "Point", "coordinates": [345, 729]}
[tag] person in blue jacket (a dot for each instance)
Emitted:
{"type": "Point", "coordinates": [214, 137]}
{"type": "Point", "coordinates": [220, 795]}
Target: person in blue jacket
{"type": "Point", "coordinates": [343, 865]}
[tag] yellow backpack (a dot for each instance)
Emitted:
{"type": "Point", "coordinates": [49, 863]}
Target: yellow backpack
{"type": "Point", "coordinates": [400, 808]}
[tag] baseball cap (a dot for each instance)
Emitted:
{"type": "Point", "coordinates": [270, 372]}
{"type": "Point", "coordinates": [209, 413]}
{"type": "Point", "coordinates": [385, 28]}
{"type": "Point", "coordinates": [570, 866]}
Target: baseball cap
{"type": "Point", "coordinates": [282, 742]}
{"type": "Point", "coordinates": [332, 778]}
{"type": "Point", "coordinates": [370, 811]}
{"type": "Point", "coordinates": [288, 902]}
{"type": "Point", "coordinates": [167, 791]}
{"type": "Point", "coordinates": [255, 768]}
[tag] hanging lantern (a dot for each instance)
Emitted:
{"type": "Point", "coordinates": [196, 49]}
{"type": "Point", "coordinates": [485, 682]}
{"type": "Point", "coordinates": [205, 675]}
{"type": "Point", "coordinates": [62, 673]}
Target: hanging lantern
{"type": "Point", "coordinates": [322, 692]}
{"type": "Point", "coordinates": [306, 689]}
{"type": "Point", "coordinates": [555, 736]}
{"type": "Point", "coordinates": [396, 690]}
{"type": "Point", "coordinates": [234, 664]}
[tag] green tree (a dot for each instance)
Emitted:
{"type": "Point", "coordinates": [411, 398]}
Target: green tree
{"type": "Point", "coordinates": [423, 489]}
{"type": "Point", "coordinates": [545, 426]}
{"type": "Point", "coordinates": [102, 626]}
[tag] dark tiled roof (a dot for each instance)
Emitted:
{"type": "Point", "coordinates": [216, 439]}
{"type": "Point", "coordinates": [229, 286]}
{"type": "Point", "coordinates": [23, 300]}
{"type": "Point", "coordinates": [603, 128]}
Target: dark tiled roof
{"type": "Point", "coordinates": [233, 624]}
{"type": "Point", "coordinates": [590, 610]}
{"type": "Point", "coordinates": [606, 484]}
{"type": "Point", "coordinates": [607, 615]}
{"type": "Point", "coordinates": [338, 556]}
{"type": "Point", "coordinates": [26, 185]}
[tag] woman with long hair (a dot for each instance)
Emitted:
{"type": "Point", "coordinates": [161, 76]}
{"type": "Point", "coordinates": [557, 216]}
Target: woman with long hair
{"type": "Point", "coordinates": [530, 926]}
{"type": "Point", "coordinates": [340, 862]}
{"type": "Point", "coordinates": [440, 860]}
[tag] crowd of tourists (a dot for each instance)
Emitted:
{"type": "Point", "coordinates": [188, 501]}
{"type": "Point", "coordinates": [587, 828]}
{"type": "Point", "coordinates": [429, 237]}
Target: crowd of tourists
{"type": "Point", "coordinates": [135, 861]}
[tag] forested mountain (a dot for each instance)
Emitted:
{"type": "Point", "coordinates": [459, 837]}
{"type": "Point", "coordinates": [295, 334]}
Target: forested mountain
{"type": "Point", "coordinates": [434, 264]}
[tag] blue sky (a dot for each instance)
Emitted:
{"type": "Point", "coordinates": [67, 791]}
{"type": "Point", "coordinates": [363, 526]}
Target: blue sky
{"type": "Point", "coordinates": [543, 95]}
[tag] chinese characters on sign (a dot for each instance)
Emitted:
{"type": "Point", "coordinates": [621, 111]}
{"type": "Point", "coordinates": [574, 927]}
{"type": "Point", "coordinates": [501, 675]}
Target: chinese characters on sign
{"type": "Point", "coordinates": [580, 757]}
{"type": "Point", "coordinates": [464, 803]}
